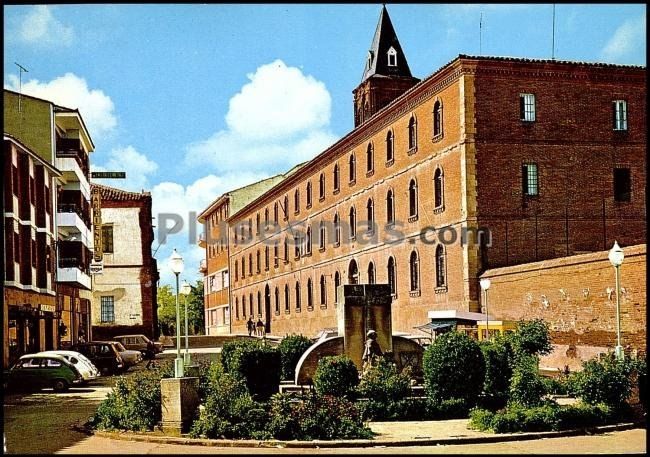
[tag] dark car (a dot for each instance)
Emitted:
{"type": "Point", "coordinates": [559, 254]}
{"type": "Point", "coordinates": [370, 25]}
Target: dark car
{"type": "Point", "coordinates": [140, 343]}
{"type": "Point", "coordinates": [103, 354]}
{"type": "Point", "coordinates": [38, 371]}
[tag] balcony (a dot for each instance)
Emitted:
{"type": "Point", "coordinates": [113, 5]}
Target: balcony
{"type": "Point", "coordinates": [203, 267]}
{"type": "Point", "coordinates": [202, 242]}
{"type": "Point", "coordinates": [72, 274]}
{"type": "Point", "coordinates": [73, 162]}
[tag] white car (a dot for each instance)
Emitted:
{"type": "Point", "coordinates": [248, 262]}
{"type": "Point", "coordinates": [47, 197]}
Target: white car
{"type": "Point", "coordinates": [85, 367]}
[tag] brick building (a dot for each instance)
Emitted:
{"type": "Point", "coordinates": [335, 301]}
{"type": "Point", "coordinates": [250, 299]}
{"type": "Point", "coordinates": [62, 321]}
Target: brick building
{"type": "Point", "coordinates": [546, 157]}
{"type": "Point", "coordinates": [124, 295]}
{"type": "Point", "coordinates": [58, 137]}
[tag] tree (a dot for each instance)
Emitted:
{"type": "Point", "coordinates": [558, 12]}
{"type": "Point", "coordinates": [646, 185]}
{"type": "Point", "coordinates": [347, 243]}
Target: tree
{"type": "Point", "coordinates": [167, 309]}
{"type": "Point", "coordinates": [195, 309]}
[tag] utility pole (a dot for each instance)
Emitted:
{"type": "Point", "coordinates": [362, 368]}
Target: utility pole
{"type": "Point", "coordinates": [21, 69]}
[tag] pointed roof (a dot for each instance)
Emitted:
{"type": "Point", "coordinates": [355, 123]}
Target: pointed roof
{"type": "Point", "coordinates": [377, 60]}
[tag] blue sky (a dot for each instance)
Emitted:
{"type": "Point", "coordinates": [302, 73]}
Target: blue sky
{"type": "Point", "coordinates": [194, 100]}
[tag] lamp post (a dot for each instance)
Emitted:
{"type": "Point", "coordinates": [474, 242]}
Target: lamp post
{"type": "Point", "coordinates": [176, 265]}
{"type": "Point", "coordinates": [616, 256]}
{"type": "Point", "coordinates": [185, 290]}
{"type": "Point", "coordinates": [485, 285]}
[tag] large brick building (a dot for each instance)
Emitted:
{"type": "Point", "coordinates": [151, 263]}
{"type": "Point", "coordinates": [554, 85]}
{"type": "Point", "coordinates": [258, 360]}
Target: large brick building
{"type": "Point", "coordinates": [547, 156]}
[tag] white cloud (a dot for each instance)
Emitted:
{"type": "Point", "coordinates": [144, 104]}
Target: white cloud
{"type": "Point", "coordinates": [136, 165]}
{"type": "Point", "coordinates": [628, 38]}
{"type": "Point", "coordinates": [41, 27]}
{"type": "Point", "coordinates": [71, 91]}
{"type": "Point", "coordinates": [278, 119]}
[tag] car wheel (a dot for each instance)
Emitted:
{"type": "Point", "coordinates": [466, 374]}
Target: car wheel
{"type": "Point", "coordinates": [60, 385]}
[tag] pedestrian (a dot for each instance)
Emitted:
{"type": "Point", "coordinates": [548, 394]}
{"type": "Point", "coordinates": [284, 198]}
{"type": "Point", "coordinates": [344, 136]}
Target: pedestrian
{"type": "Point", "coordinates": [260, 327]}
{"type": "Point", "coordinates": [250, 326]}
{"type": "Point", "coordinates": [151, 354]}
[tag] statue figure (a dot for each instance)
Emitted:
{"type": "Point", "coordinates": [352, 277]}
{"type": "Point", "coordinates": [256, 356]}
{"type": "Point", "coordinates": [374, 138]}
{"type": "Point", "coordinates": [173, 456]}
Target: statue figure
{"type": "Point", "coordinates": [372, 351]}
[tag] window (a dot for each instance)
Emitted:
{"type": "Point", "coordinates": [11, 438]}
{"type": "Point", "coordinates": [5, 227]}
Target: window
{"type": "Point", "coordinates": [622, 185]}
{"type": "Point", "coordinates": [353, 272]}
{"type": "Point", "coordinates": [309, 194]}
{"type": "Point", "coordinates": [370, 208]}
{"type": "Point", "coordinates": [266, 218]}
{"type": "Point", "coordinates": [413, 200]}
{"type": "Point", "coordinates": [286, 250]}
{"type": "Point", "coordinates": [277, 301]}
{"type": "Point", "coordinates": [276, 254]}
{"type": "Point", "coordinates": [243, 306]}
{"type": "Point", "coordinates": [441, 276]}
{"type": "Point", "coordinates": [285, 210]}
{"type": "Point", "coordinates": [237, 308]}
{"type": "Point", "coordinates": [250, 229]}
{"type": "Point", "coordinates": [108, 309]}
{"type": "Point", "coordinates": [310, 291]}
{"type": "Point", "coordinates": [413, 134]}
{"type": "Point", "coordinates": [370, 159]}
{"type": "Point", "coordinates": [257, 224]}
{"type": "Point", "coordinates": [250, 264]}
{"type": "Point", "coordinates": [250, 304]}
{"type": "Point", "coordinates": [337, 283]}
{"type": "Point", "coordinates": [259, 303]}
{"type": "Point", "coordinates": [390, 147]}
{"type": "Point", "coordinates": [336, 178]}
{"type": "Point", "coordinates": [323, 291]}
{"type": "Point", "coordinates": [529, 179]}
{"type": "Point", "coordinates": [321, 187]}
{"type": "Point", "coordinates": [107, 239]}
{"type": "Point", "coordinates": [390, 208]}
{"type": "Point", "coordinates": [438, 196]}
{"type": "Point", "coordinates": [353, 223]}
{"type": "Point", "coordinates": [392, 57]}
{"type": "Point", "coordinates": [51, 363]}
{"type": "Point", "coordinates": [257, 259]}
{"type": "Point", "coordinates": [353, 168]}
{"type": "Point", "coordinates": [296, 201]}
{"type": "Point", "coordinates": [275, 212]}
{"type": "Point", "coordinates": [371, 273]}
{"type": "Point", "coordinates": [308, 241]}
{"type": "Point", "coordinates": [437, 119]}
{"type": "Point", "coordinates": [391, 276]}
{"type": "Point", "coordinates": [266, 258]}
{"type": "Point", "coordinates": [414, 264]}
{"type": "Point", "coordinates": [620, 115]}
{"type": "Point", "coordinates": [286, 299]}
{"type": "Point", "coordinates": [322, 236]}
{"type": "Point", "coordinates": [296, 246]}
{"type": "Point", "coordinates": [337, 230]}
{"type": "Point", "coordinates": [527, 107]}
{"type": "Point", "coordinates": [243, 267]}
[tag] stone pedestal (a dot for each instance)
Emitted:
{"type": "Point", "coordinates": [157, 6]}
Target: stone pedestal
{"type": "Point", "coordinates": [180, 400]}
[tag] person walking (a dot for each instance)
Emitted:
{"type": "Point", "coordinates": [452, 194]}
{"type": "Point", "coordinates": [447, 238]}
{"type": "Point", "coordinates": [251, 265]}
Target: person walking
{"type": "Point", "coordinates": [260, 327]}
{"type": "Point", "coordinates": [250, 326]}
{"type": "Point", "coordinates": [151, 354]}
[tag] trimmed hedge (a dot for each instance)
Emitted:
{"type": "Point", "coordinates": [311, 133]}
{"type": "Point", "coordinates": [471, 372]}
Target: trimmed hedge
{"type": "Point", "coordinates": [291, 349]}
{"type": "Point", "coordinates": [258, 364]}
{"type": "Point", "coordinates": [337, 376]}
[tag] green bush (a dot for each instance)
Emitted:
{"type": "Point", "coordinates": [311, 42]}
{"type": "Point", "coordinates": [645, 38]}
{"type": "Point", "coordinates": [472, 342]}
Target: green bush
{"type": "Point", "coordinates": [133, 404]}
{"type": "Point", "coordinates": [337, 376]}
{"type": "Point", "coordinates": [498, 372]}
{"type": "Point", "coordinates": [230, 347]}
{"type": "Point", "coordinates": [604, 381]}
{"type": "Point", "coordinates": [556, 385]}
{"type": "Point", "coordinates": [384, 383]}
{"type": "Point", "coordinates": [531, 338]}
{"type": "Point", "coordinates": [454, 368]}
{"type": "Point", "coordinates": [317, 417]}
{"type": "Point", "coordinates": [291, 349]}
{"type": "Point", "coordinates": [258, 364]}
{"type": "Point", "coordinates": [526, 385]}
{"type": "Point", "coordinates": [480, 419]}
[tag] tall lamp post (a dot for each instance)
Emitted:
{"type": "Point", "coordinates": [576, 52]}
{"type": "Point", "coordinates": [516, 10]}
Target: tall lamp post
{"type": "Point", "coordinates": [616, 256]}
{"type": "Point", "coordinates": [185, 290]}
{"type": "Point", "coordinates": [176, 265]}
{"type": "Point", "coordinates": [485, 285]}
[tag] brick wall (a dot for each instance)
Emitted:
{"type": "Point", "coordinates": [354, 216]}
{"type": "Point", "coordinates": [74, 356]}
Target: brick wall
{"type": "Point", "coordinates": [571, 294]}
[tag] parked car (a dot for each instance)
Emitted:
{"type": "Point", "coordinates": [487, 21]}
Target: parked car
{"type": "Point", "coordinates": [131, 358]}
{"type": "Point", "coordinates": [38, 371]}
{"type": "Point", "coordinates": [87, 369]}
{"type": "Point", "coordinates": [103, 354]}
{"type": "Point", "coordinates": [139, 343]}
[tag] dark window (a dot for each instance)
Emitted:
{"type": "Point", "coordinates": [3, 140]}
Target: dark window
{"type": "Point", "coordinates": [529, 179]}
{"type": "Point", "coordinates": [275, 212]}
{"type": "Point", "coordinates": [250, 304]}
{"type": "Point", "coordinates": [276, 254]}
{"type": "Point", "coordinates": [337, 230]}
{"type": "Point", "coordinates": [323, 290]}
{"type": "Point", "coordinates": [243, 306]}
{"type": "Point", "coordinates": [237, 308]}
{"type": "Point", "coordinates": [107, 239]}
{"type": "Point", "coordinates": [370, 207]}
{"type": "Point", "coordinates": [250, 264]}
{"type": "Point", "coordinates": [371, 273]}
{"type": "Point", "coordinates": [441, 277]}
{"type": "Point", "coordinates": [353, 223]}
{"type": "Point", "coordinates": [296, 201]}
{"type": "Point", "coordinates": [415, 271]}
{"type": "Point", "coordinates": [257, 259]}
{"type": "Point", "coordinates": [391, 276]}
{"type": "Point", "coordinates": [322, 235]}
{"type": "Point", "coordinates": [370, 158]}
{"type": "Point", "coordinates": [308, 241]}
{"type": "Point", "coordinates": [413, 198]}
{"type": "Point", "coordinates": [108, 309]}
{"type": "Point", "coordinates": [390, 208]}
{"type": "Point", "coordinates": [622, 185]}
{"type": "Point", "coordinates": [236, 270]}
{"type": "Point", "coordinates": [353, 168]}
{"type": "Point", "coordinates": [390, 147]}
{"type": "Point", "coordinates": [277, 301]}
{"type": "Point", "coordinates": [337, 283]}
{"type": "Point", "coordinates": [437, 119]}
{"type": "Point", "coordinates": [438, 188]}
{"type": "Point", "coordinates": [259, 304]}
{"type": "Point", "coordinates": [336, 177]}
{"type": "Point", "coordinates": [286, 299]}
{"type": "Point", "coordinates": [309, 194]}
{"type": "Point", "coordinates": [298, 304]}
{"type": "Point", "coordinates": [413, 133]}
{"type": "Point", "coordinates": [266, 258]}
{"type": "Point", "coordinates": [321, 186]}
{"type": "Point", "coordinates": [285, 210]}
{"type": "Point", "coordinates": [310, 291]}
{"type": "Point", "coordinates": [243, 267]}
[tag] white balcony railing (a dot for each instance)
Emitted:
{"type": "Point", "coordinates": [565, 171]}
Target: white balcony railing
{"type": "Point", "coordinates": [73, 275]}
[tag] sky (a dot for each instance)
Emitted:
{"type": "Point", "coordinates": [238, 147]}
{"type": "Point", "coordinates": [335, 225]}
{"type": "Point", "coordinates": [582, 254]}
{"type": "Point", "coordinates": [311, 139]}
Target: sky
{"type": "Point", "coordinates": [192, 101]}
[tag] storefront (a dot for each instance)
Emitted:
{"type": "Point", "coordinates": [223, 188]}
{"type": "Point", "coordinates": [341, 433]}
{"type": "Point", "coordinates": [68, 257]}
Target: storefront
{"type": "Point", "coordinates": [31, 329]}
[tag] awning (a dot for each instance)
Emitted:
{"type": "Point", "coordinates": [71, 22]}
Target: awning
{"type": "Point", "coordinates": [434, 326]}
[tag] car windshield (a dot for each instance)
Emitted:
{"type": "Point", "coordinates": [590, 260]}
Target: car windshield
{"type": "Point", "coordinates": [120, 347]}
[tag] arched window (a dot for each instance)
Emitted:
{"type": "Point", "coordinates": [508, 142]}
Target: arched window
{"type": "Point", "coordinates": [322, 235]}
{"type": "Point", "coordinates": [438, 189]}
{"type": "Point", "coordinates": [353, 272]}
{"type": "Point", "coordinates": [336, 177]}
{"type": "Point", "coordinates": [266, 258]}
{"type": "Point", "coordinates": [287, 302]}
{"type": "Point", "coordinates": [308, 194]}
{"type": "Point", "coordinates": [437, 119]}
{"type": "Point", "coordinates": [258, 260]}
{"type": "Point", "coordinates": [392, 57]}
{"type": "Point", "coordinates": [250, 229]}
{"type": "Point", "coordinates": [413, 133]}
{"type": "Point", "coordinates": [243, 267]}
{"type": "Point", "coordinates": [296, 245]}
{"type": "Point", "coordinates": [371, 273]}
{"type": "Point", "coordinates": [286, 250]}
{"type": "Point", "coordinates": [257, 224]}
{"type": "Point", "coordinates": [243, 306]}
{"type": "Point", "coordinates": [277, 301]}
{"type": "Point", "coordinates": [413, 199]}
{"type": "Point", "coordinates": [310, 291]}
{"type": "Point", "coordinates": [353, 168]}
{"type": "Point", "coordinates": [308, 241]}
{"type": "Point", "coordinates": [337, 230]}
{"type": "Point", "coordinates": [337, 283]}
{"type": "Point", "coordinates": [296, 201]}
{"type": "Point", "coordinates": [275, 212]}
{"type": "Point", "coordinates": [353, 223]}
{"type": "Point", "coordinates": [370, 212]}
{"type": "Point", "coordinates": [391, 276]}
{"type": "Point", "coordinates": [276, 254]}
{"type": "Point", "coordinates": [266, 217]}
{"type": "Point", "coordinates": [441, 274]}
{"type": "Point", "coordinates": [237, 308]}
{"type": "Point", "coordinates": [250, 304]}
{"type": "Point", "coordinates": [259, 304]}
{"type": "Point", "coordinates": [370, 158]}
{"type": "Point", "coordinates": [323, 290]}
{"type": "Point", "coordinates": [297, 296]}
{"type": "Point", "coordinates": [236, 270]}
{"type": "Point", "coordinates": [414, 264]}
{"type": "Point", "coordinates": [390, 147]}
{"type": "Point", "coordinates": [390, 207]}
{"type": "Point", "coordinates": [286, 208]}
{"type": "Point", "coordinates": [250, 264]}
{"type": "Point", "coordinates": [321, 186]}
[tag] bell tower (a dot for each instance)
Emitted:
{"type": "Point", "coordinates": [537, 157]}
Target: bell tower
{"type": "Point", "coordinates": [386, 74]}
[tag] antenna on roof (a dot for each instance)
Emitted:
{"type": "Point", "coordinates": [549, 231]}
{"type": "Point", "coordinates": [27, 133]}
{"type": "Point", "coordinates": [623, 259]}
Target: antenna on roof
{"type": "Point", "coordinates": [480, 35]}
{"type": "Point", "coordinates": [553, 43]}
{"type": "Point", "coordinates": [20, 84]}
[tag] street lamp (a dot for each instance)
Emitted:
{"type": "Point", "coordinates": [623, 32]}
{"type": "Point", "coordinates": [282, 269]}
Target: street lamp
{"type": "Point", "coordinates": [616, 256]}
{"type": "Point", "coordinates": [485, 285]}
{"type": "Point", "coordinates": [185, 290]}
{"type": "Point", "coordinates": [176, 265]}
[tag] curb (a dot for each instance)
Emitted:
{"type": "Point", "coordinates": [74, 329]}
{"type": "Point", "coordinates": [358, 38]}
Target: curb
{"type": "Point", "coordinates": [130, 436]}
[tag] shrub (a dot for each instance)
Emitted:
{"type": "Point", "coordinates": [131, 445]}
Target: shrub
{"type": "Point", "coordinates": [498, 372]}
{"type": "Point", "coordinates": [317, 417]}
{"type": "Point", "coordinates": [604, 381]}
{"type": "Point", "coordinates": [384, 383]}
{"type": "Point", "coordinates": [337, 376]}
{"type": "Point", "coordinates": [259, 366]}
{"type": "Point", "coordinates": [230, 347]}
{"type": "Point", "coordinates": [133, 404]}
{"type": "Point", "coordinates": [526, 385]}
{"type": "Point", "coordinates": [531, 338]}
{"type": "Point", "coordinates": [556, 385]}
{"type": "Point", "coordinates": [291, 349]}
{"type": "Point", "coordinates": [480, 419]}
{"type": "Point", "coordinates": [454, 368]}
